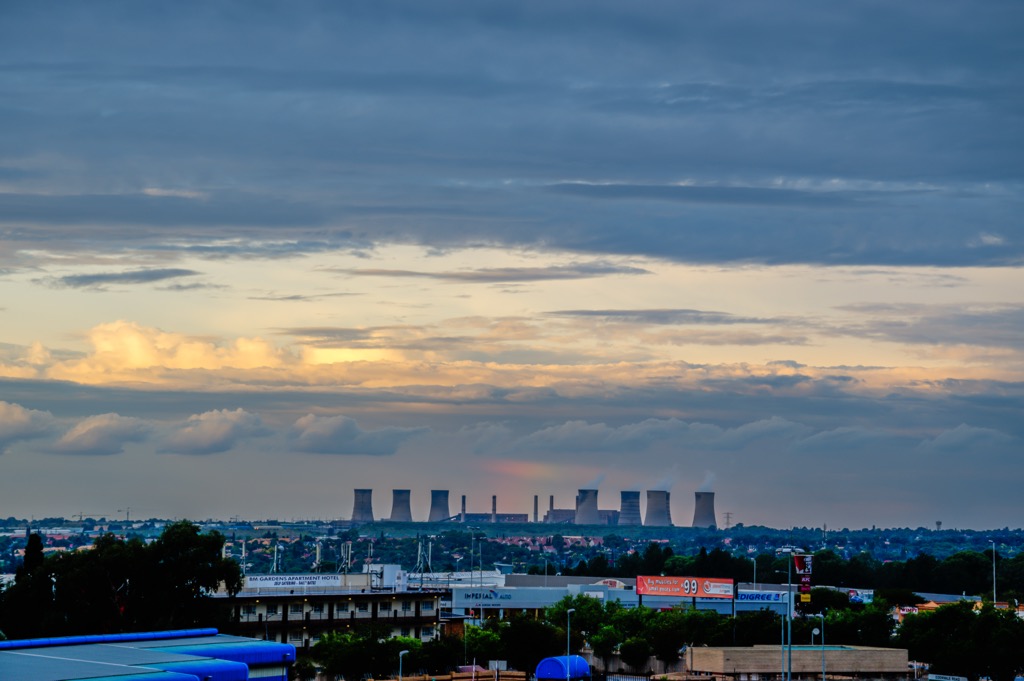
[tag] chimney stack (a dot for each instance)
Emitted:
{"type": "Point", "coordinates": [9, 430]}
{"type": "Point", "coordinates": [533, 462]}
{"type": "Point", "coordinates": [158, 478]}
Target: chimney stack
{"type": "Point", "coordinates": [494, 508]}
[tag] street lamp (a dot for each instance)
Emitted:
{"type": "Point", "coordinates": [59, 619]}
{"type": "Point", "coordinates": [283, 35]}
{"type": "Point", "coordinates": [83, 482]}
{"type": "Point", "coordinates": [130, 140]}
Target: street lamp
{"type": "Point", "coordinates": [401, 654]}
{"type": "Point", "coordinates": [266, 625]}
{"type": "Point", "coordinates": [754, 560]}
{"type": "Point", "coordinates": [822, 616]}
{"type": "Point", "coordinates": [568, 624]}
{"type": "Point", "coordinates": [790, 551]}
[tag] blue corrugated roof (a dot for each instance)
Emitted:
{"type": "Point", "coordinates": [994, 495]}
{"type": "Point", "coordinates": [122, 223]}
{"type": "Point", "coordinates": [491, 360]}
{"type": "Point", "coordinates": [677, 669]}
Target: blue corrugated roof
{"type": "Point", "coordinates": [151, 676]}
{"type": "Point", "coordinates": [104, 638]}
{"type": "Point", "coordinates": [254, 652]}
{"type": "Point", "coordinates": [214, 670]}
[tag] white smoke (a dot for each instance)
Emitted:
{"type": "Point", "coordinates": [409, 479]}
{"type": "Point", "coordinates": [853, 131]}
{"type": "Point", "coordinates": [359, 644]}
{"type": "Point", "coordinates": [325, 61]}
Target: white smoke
{"type": "Point", "coordinates": [709, 483]}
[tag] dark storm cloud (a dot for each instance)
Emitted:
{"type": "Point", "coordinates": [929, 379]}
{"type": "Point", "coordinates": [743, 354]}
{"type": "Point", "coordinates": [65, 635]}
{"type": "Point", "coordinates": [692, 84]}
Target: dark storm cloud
{"type": "Point", "coordinates": [507, 274]}
{"type": "Point", "coordinates": [876, 133]}
{"type": "Point", "coordinates": [130, 277]}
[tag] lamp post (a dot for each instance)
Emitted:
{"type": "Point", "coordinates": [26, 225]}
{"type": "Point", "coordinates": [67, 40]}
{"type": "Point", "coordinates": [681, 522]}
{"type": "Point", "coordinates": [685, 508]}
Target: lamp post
{"type": "Point", "coordinates": [754, 560]}
{"type": "Point", "coordinates": [993, 572]}
{"type": "Point", "coordinates": [266, 625]}
{"type": "Point", "coordinates": [568, 624]}
{"type": "Point", "coordinates": [401, 654]}
{"type": "Point", "coordinates": [822, 615]}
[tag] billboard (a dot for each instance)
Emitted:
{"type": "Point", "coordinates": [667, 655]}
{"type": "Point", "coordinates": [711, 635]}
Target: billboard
{"type": "Point", "coordinates": [803, 563]}
{"type": "Point", "coordinates": [684, 587]}
{"type": "Point", "coordinates": [285, 581]}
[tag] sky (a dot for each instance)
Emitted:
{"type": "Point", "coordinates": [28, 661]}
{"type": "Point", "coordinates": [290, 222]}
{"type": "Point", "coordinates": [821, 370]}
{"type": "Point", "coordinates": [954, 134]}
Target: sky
{"type": "Point", "coordinates": [255, 255]}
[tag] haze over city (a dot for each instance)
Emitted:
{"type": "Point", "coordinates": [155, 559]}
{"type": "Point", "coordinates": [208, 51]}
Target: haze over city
{"type": "Point", "coordinates": [254, 256]}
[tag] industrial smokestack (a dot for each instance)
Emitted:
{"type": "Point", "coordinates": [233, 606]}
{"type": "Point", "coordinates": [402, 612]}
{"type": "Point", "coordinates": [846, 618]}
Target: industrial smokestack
{"type": "Point", "coordinates": [586, 507]}
{"type": "Point", "coordinates": [401, 511]}
{"type": "Point", "coordinates": [704, 510]}
{"type": "Point", "coordinates": [494, 508]}
{"type": "Point", "coordinates": [362, 510]}
{"type": "Point", "coordinates": [536, 506]}
{"type": "Point", "coordinates": [658, 511]}
{"type": "Point", "coordinates": [438, 506]}
{"type": "Point", "coordinates": [462, 516]}
{"type": "Point", "coordinates": [629, 514]}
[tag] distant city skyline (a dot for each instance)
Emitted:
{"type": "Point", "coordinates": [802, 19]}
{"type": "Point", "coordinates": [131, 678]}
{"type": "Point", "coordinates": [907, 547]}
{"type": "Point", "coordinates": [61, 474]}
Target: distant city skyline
{"type": "Point", "coordinates": [255, 257]}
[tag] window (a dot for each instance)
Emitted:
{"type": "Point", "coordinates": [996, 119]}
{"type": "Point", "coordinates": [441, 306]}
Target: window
{"type": "Point", "coordinates": [427, 606]}
{"type": "Point", "coordinates": [363, 607]}
{"type": "Point", "coordinates": [405, 631]}
{"type": "Point", "coordinates": [271, 610]}
{"type": "Point", "coordinates": [295, 636]}
{"type": "Point", "coordinates": [296, 608]}
{"type": "Point", "coordinates": [318, 608]}
{"type": "Point", "coordinates": [248, 609]}
{"type": "Point", "coordinates": [406, 606]}
{"type": "Point", "coordinates": [428, 632]}
{"type": "Point", "coordinates": [343, 606]}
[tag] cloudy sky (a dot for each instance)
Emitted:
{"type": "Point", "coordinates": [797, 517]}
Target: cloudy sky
{"type": "Point", "coordinates": [256, 255]}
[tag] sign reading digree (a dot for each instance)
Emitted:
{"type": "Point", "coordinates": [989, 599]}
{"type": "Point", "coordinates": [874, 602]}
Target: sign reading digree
{"type": "Point", "coordinates": [684, 587]}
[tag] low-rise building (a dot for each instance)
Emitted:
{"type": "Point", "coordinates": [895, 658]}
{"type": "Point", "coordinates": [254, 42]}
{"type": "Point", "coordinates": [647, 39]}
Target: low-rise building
{"type": "Point", "coordinates": [299, 609]}
{"type": "Point", "coordinates": [765, 662]}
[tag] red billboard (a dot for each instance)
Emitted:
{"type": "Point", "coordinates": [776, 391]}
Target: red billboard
{"type": "Point", "coordinates": [684, 587]}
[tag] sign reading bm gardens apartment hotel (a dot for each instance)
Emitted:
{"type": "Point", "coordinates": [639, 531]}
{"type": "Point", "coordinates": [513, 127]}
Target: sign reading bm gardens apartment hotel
{"type": "Point", "coordinates": [283, 581]}
{"type": "Point", "coordinates": [684, 587]}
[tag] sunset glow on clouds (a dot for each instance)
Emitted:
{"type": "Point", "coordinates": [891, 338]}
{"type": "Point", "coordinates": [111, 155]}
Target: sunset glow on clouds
{"type": "Point", "coordinates": [514, 253]}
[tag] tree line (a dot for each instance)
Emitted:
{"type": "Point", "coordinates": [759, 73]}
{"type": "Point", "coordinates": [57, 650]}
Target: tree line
{"type": "Point", "coordinates": [120, 585]}
{"type": "Point", "coordinates": [964, 572]}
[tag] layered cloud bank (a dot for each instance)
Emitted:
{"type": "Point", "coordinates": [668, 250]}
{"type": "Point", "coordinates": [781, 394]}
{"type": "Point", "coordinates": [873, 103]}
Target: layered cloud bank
{"type": "Point", "coordinates": [252, 259]}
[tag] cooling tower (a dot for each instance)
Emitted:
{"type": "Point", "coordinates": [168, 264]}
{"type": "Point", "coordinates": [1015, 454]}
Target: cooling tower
{"type": "Point", "coordinates": [438, 506]}
{"type": "Point", "coordinates": [704, 510]}
{"type": "Point", "coordinates": [401, 511]}
{"type": "Point", "coordinates": [630, 511]}
{"type": "Point", "coordinates": [586, 508]}
{"type": "Point", "coordinates": [658, 512]}
{"type": "Point", "coordinates": [362, 510]}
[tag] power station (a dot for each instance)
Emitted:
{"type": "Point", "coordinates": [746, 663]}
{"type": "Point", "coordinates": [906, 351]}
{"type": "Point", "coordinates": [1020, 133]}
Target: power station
{"type": "Point", "coordinates": [585, 510]}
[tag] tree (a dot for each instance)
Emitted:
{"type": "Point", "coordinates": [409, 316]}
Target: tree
{"type": "Point", "coordinates": [958, 641]}
{"type": "Point", "coordinates": [635, 652]}
{"type": "Point", "coordinates": [588, 617]}
{"type": "Point", "coordinates": [604, 641]}
{"type": "Point", "coordinates": [526, 641]}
